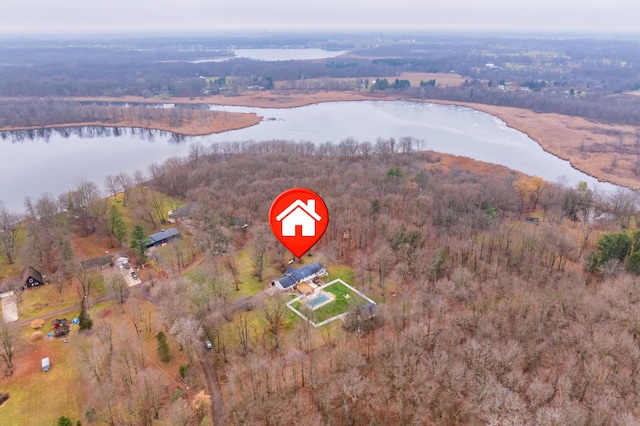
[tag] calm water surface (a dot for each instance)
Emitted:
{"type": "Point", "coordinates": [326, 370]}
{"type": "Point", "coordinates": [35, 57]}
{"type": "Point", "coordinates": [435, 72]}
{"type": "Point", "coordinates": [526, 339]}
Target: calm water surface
{"type": "Point", "coordinates": [278, 55]}
{"type": "Point", "coordinates": [55, 163]}
{"type": "Point", "coordinates": [444, 128]}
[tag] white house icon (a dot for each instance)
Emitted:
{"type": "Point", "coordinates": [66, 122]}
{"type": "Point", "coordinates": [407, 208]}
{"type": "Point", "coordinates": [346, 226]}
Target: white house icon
{"type": "Point", "coordinates": [299, 214]}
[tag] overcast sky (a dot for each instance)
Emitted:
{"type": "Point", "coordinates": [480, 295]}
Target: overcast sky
{"type": "Point", "coordinates": [167, 15]}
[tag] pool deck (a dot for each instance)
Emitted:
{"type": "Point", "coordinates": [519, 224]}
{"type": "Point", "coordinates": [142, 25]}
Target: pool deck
{"type": "Point", "coordinates": [330, 298]}
{"type": "Point", "coordinates": [328, 320]}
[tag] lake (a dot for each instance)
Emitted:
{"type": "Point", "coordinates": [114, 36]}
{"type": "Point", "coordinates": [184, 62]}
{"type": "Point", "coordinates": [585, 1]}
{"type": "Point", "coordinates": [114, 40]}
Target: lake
{"type": "Point", "coordinates": [54, 161]}
{"type": "Point", "coordinates": [278, 55]}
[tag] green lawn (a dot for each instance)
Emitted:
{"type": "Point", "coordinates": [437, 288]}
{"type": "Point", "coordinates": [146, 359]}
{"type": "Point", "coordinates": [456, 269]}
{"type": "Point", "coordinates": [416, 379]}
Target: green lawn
{"type": "Point", "coordinates": [165, 201]}
{"type": "Point", "coordinates": [13, 270]}
{"type": "Point", "coordinates": [249, 284]}
{"type": "Point", "coordinates": [344, 272]}
{"type": "Point", "coordinates": [41, 398]}
{"type": "Point", "coordinates": [45, 299]}
{"type": "Point", "coordinates": [344, 300]}
{"type": "Point", "coordinates": [257, 326]}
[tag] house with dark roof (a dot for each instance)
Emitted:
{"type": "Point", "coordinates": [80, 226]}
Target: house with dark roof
{"type": "Point", "coordinates": [162, 237]}
{"type": "Point", "coordinates": [304, 274]}
{"type": "Point", "coordinates": [183, 212]}
{"type": "Point", "coordinates": [31, 277]}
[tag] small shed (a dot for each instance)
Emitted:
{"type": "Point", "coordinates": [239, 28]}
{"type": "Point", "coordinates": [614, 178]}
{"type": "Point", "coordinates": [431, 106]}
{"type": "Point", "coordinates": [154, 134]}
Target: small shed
{"type": "Point", "coordinates": [46, 365]}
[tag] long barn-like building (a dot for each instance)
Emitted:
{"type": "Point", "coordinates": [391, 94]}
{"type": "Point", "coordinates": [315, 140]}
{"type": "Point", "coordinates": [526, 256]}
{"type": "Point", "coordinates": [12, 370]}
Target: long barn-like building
{"type": "Point", "coordinates": [162, 237]}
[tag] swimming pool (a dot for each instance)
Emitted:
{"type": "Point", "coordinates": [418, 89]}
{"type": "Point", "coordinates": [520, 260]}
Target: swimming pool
{"type": "Point", "coordinates": [317, 300]}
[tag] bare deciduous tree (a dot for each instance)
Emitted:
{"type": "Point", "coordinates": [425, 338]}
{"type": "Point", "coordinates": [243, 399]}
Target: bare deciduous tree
{"type": "Point", "coordinates": [126, 184]}
{"type": "Point", "coordinates": [8, 342]}
{"type": "Point", "coordinates": [117, 286]}
{"type": "Point", "coordinates": [273, 312]}
{"type": "Point", "coordinates": [384, 260]}
{"type": "Point", "coordinates": [259, 246]}
{"type": "Point", "coordinates": [87, 279]}
{"type": "Point", "coordinates": [9, 228]}
{"type": "Point", "coordinates": [187, 331]}
{"type": "Point", "coordinates": [242, 332]}
{"type": "Point", "coordinates": [111, 183]}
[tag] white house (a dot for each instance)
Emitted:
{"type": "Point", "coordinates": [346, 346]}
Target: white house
{"type": "Point", "coordinates": [299, 214]}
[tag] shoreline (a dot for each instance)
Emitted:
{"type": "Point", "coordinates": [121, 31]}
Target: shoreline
{"type": "Point", "coordinates": [581, 142]}
{"type": "Point", "coordinates": [509, 122]}
{"type": "Point", "coordinates": [131, 126]}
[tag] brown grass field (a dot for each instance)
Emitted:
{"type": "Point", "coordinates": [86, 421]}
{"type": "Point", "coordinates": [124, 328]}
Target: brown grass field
{"type": "Point", "coordinates": [39, 398]}
{"type": "Point", "coordinates": [587, 145]}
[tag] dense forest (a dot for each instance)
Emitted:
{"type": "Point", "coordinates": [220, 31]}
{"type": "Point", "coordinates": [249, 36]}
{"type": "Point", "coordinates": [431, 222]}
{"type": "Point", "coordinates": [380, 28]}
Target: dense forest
{"type": "Point", "coordinates": [482, 317]}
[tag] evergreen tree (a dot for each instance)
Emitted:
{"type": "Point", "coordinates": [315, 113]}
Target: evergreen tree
{"type": "Point", "coordinates": [163, 347]}
{"type": "Point", "coordinates": [117, 227]}
{"type": "Point", "coordinates": [85, 320]}
{"type": "Point", "coordinates": [64, 421]}
{"type": "Point", "coordinates": [139, 242]}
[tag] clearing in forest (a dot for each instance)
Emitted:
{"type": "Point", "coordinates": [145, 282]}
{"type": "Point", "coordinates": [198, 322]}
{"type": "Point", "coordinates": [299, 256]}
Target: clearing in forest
{"type": "Point", "coordinates": [327, 303]}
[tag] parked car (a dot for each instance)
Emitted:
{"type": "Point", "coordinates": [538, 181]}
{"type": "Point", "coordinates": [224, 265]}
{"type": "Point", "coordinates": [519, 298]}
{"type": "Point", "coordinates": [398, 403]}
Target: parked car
{"type": "Point", "coordinates": [134, 275]}
{"type": "Point", "coordinates": [208, 344]}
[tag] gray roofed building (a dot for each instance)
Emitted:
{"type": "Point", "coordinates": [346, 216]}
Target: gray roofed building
{"type": "Point", "coordinates": [97, 262]}
{"type": "Point", "coordinates": [182, 212]}
{"type": "Point", "coordinates": [294, 276]}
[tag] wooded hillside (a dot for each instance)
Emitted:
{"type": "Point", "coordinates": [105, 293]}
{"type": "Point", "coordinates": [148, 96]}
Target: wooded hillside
{"type": "Point", "coordinates": [482, 316]}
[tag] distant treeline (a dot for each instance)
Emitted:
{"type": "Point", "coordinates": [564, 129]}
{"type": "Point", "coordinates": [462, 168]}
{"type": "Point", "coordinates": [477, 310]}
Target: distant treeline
{"type": "Point", "coordinates": [47, 112]}
{"type": "Point", "coordinates": [623, 109]}
{"type": "Point", "coordinates": [556, 71]}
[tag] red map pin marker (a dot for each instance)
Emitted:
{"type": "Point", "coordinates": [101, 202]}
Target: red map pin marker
{"type": "Point", "coordinates": [298, 218]}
